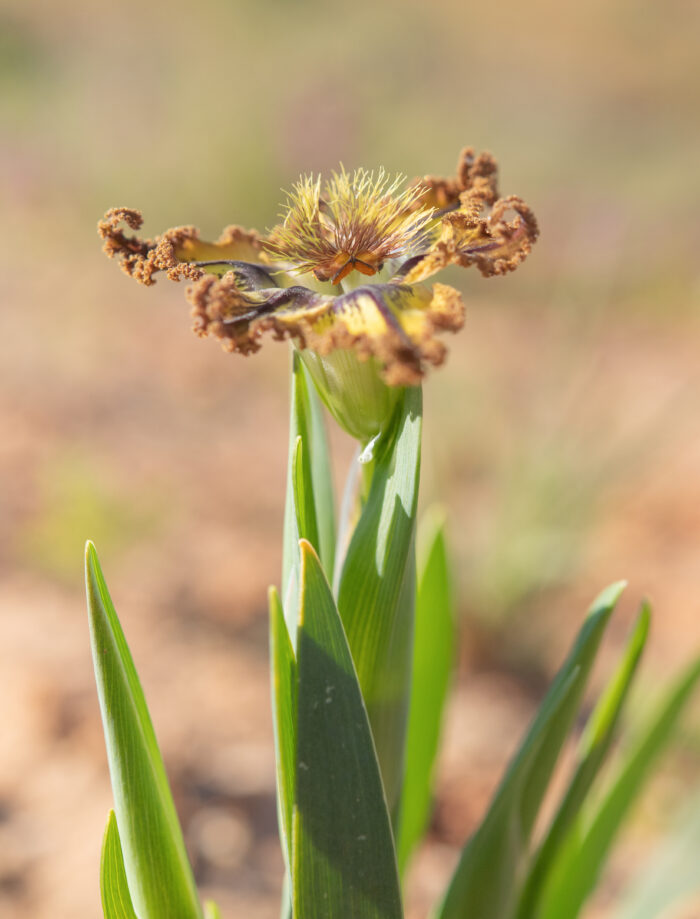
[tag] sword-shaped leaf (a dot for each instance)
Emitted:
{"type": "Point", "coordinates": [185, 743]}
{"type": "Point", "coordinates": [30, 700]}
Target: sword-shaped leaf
{"type": "Point", "coordinates": [309, 482]}
{"type": "Point", "coordinates": [116, 899]}
{"type": "Point", "coordinates": [377, 587]}
{"type": "Point", "coordinates": [433, 654]}
{"type": "Point", "coordinates": [484, 886]}
{"type": "Point", "coordinates": [284, 708]}
{"type": "Point", "coordinates": [581, 859]}
{"type": "Point", "coordinates": [593, 748]}
{"type": "Point", "coordinates": [343, 851]}
{"type": "Point", "coordinates": [157, 867]}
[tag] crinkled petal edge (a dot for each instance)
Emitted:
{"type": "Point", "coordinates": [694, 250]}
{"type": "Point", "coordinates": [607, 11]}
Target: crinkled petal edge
{"type": "Point", "coordinates": [396, 324]}
{"type": "Point", "coordinates": [174, 251]}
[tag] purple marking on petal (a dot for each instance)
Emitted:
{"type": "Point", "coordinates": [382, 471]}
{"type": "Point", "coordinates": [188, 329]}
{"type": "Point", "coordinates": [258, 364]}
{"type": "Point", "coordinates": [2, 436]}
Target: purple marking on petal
{"type": "Point", "coordinates": [279, 297]}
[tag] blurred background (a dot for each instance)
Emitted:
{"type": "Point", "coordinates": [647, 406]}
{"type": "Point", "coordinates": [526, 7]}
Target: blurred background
{"type": "Point", "coordinates": [563, 434]}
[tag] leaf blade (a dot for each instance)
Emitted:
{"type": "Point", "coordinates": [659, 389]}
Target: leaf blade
{"type": "Point", "coordinates": [156, 863]}
{"type": "Point", "coordinates": [376, 593]}
{"type": "Point", "coordinates": [594, 745]}
{"type": "Point", "coordinates": [114, 889]}
{"type": "Point", "coordinates": [485, 879]}
{"type": "Point", "coordinates": [343, 853]}
{"type": "Point", "coordinates": [284, 705]}
{"type": "Point", "coordinates": [312, 470]}
{"type": "Point", "coordinates": [580, 863]}
{"type": "Point", "coordinates": [304, 502]}
{"type": "Point", "coordinates": [433, 655]}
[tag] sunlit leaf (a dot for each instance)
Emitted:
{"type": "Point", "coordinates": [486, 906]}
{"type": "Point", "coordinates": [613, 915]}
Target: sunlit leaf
{"type": "Point", "coordinates": [284, 705]}
{"type": "Point", "coordinates": [302, 487]}
{"type": "Point", "coordinates": [377, 587]}
{"type": "Point", "coordinates": [343, 853]}
{"type": "Point", "coordinates": [581, 860]}
{"type": "Point", "coordinates": [309, 476]}
{"type": "Point", "coordinates": [433, 654]}
{"type": "Point", "coordinates": [485, 882]}
{"type": "Point", "coordinates": [116, 899]}
{"type": "Point", "coordinates": [595, 744]}
{"type": "Point", "coordinates": [157, 868]}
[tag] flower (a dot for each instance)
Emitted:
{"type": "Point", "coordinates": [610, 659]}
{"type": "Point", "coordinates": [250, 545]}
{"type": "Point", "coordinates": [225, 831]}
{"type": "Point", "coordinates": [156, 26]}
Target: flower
{"type": "Point", "coordinates": [309, 278]}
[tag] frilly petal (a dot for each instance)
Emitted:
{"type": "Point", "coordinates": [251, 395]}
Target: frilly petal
{"type": "Point", "coordinates": [394, 323]}
{"type": "Point", "coordinates": [174, 251]}
{"type": "Point", "coordinates": [474, 172]}
{"type": "Point", "coordinates": [494, 243]}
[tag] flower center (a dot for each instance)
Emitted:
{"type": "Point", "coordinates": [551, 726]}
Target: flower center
{"type": "Point", "coordinates": [355, 223]}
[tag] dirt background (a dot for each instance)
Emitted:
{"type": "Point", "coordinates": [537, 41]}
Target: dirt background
{"type": "Point", "coordinates": [562, 436]}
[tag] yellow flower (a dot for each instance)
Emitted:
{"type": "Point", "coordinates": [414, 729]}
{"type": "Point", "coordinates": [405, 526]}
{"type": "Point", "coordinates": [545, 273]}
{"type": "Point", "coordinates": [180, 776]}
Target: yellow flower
{"type": "Point", "coordinates": [345, 267]}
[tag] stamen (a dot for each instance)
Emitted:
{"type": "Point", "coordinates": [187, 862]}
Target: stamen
{"type": "Point", "coordinates": [343, 272]}
{"type": "Point", "coordinates": [359, 222]}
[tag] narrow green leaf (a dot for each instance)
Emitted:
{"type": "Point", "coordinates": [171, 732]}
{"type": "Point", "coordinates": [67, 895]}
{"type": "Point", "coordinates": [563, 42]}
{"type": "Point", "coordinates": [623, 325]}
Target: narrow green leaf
{"type": "Point", "coordinates": [343, 852]}
{"type": "Point", "coordinates": [593, 748]}
{"type": "Point", "coordinates": [582, 657]}
{"type": "Point", "coordinates": [376, 593]}
{"type": "Point", "coordinates": [284, 706]}
{"type": "Point", "coordinates": [116, 899]}
{"type": "Point", "coordinates": [433, 654]}
{"type": "Point", "coordinates": [580, 862]}
{"type": "Point", "coordinates": [157, 868]}
{"type": "Point", "coordinates": [321, 475]}
{"type": "Point", "coordinates": [304, 502]}
{"type": "Point", "coordinates": [484, 884]}
{"type": "Point", "coordinates": [317, 512]}
{"type": "Point", "coordinates": [211, 910]}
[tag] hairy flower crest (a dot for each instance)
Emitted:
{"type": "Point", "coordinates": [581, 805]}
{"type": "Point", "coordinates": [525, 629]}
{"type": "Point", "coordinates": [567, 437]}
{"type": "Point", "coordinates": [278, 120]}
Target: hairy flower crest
{"type": "Point", "coordinates": [358, 223]}
{"type": "Point", "coordinates": [298, 281]}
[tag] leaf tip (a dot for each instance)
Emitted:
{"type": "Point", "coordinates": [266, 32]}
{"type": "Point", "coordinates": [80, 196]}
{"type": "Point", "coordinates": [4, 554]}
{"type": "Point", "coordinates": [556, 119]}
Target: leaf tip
{"type": "Point", "coordinates": [90, 554]}
{"type": "Point", "coordinates": [93, 574]}
{"type": "Point", "coordinates": [307, 550]}
{"type": "Point", "coordinates": [645, 615]}
{"type": "Point", "coordinates": [607, 598]}
{"type": "Point", "coordinates": [274, 604]}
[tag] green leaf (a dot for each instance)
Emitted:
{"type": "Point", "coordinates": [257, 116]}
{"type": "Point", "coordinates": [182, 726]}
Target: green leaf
{"type": "Point", "coordinates": [593, 748]}
{"type": "Point", "coordinates": [157, 868]}
{"type": "Point", "coordinates": [303, 490]}
{"type": "Point", "coordinates": [311, 515]}
{"type": "Point", "coordinates": [322, 478]}
{"type": "Point", "coordinates": [433, 654]}
{"type": "Point", "coordinates": [116, 899]}
{"type": "Point", "coordinates": [580, 862]}
{"type": "Point", "coordinates": [284, 706]}
{"type": "Point", "coordinates": [343, 852]}
{"type": "Point", "coordinates": [376, 593]}
{"type": "Point", "coordinates": [484, 884]}
{"type": "Point", "coordinates": [211, 910]}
